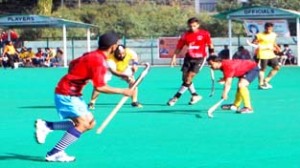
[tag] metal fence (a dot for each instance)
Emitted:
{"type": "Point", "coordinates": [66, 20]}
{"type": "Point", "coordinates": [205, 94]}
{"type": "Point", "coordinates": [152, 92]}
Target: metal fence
{"type": "Point", "coordinates": [147, 49]}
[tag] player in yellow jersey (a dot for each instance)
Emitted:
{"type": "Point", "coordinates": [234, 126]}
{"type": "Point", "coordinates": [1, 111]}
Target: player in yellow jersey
{"type": "Point", "coordinates": [122, 63]}
{"type": "Point", "coordinates": [266, 42]}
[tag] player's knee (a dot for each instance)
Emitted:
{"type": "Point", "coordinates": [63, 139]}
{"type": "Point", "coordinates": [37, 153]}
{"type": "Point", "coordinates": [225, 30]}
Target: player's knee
{"type": "Point", "coordinates": [262, 69]}
{"type": "Point", "coordinates": [277, 68]}
{"type": "Point", "coordinates": [90, 121]}
{"type": "Point", "coordinates": [85, 123]}
{"type": "Point", "coordinates": [243, 83]}
{"type": "Point", "coordinates": [186, 84]}
{"type": "Point", "coordinates": [88, 124]}
{"type": "Point", "coordinates": [91, 124]}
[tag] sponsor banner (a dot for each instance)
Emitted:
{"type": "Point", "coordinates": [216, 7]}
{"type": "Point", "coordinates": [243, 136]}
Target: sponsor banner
{"type": "Point", "coordinates": [281, 27]}
{"type": "Point", "coordinates": [167, 46]}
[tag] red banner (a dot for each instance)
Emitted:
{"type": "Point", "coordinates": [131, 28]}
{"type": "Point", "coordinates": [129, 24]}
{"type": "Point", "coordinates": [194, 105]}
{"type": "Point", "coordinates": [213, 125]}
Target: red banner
{"type": "Point", "coordinates": [167, 46]}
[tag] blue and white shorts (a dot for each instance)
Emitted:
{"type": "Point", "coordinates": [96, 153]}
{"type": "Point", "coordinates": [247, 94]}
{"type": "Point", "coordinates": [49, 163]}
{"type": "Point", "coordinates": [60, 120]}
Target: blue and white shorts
{"type": "Point", "coordinates": [70, 106]}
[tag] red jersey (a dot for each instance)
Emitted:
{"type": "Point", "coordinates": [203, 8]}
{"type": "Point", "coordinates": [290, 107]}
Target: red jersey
{"type": "Point", "coordinates": [91, 66]}
{"type": "Point", "coordinates": [237, 67]}
{"type": "Point", "coordinates": [196, 43]}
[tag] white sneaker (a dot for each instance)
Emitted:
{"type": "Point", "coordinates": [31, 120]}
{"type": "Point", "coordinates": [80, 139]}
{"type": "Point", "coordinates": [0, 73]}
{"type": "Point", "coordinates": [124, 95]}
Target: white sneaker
{"type": "Point", "coordinates": [269, 86]}
{"type": "Point", "coordinates": [264, 87]}
{"type": "Point", "coordinates": [172, 101]}
{"type": "Point", "coordinates": [60, 157]}
{"type": "Point", "coordinates": [195, 99]}
{"type": "Point", "coordinates": [41, 131]}
{"type": "Point", "coordinates": [229, 107]}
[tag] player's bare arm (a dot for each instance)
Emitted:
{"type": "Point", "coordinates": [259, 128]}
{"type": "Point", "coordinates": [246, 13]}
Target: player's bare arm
{"type": "Point", "coordinates": [111, 90]}
{"type": "Point", "coordinates": [173, 61]}
{"type": "Point", "coordinates": [227, 87]}
{"type": "Point", "coordinates": [276, 48]}
{"type": "Point", "coordinates": [255, 41]}
{"type": "Point", "coordinates": [116, 73]}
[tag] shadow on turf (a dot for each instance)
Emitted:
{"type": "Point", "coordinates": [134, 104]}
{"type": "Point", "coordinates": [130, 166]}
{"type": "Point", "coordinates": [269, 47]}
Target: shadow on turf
{"type": "Point", "coordinates": [203, 88]}
{"type": "Point", "coordinates": [37, 107]}
{"type": "Point", "coordinates": [14, 156]}
{"type": "Point", "coordinates": [98, 104]}
{"type": "Point", "coordinates": [172, 111]}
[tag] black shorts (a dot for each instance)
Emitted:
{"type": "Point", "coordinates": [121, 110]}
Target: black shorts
{"type": "Point", "coordinates": [192, 64]}
{"type": "Point", "coordinates": [263, 63]}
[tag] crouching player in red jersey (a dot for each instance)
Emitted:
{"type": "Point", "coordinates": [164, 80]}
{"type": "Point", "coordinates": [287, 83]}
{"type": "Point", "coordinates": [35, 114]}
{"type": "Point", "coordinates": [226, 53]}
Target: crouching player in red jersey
{"type": "Point", "coordinates": [246, 71]}
{"type": "Point", "coordinates": [69, 103]}
{"type": "Point", "coordinates": [196, 40]}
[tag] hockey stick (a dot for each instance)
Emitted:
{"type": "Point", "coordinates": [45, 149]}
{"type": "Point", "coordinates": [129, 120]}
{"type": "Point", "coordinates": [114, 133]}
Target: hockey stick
{"type": "Point", "coordinates": [255, 46]}
{"type": "Point", "coordinates": [213, 108]}
{"type": "Point", "coordinates": [123, 100]}
{"type": "Point", "coordinates": [202, 65]}
{"type": "Point", "coordinates": [251, 44]}
{"type": "Point", "coordinates": [212, 75]}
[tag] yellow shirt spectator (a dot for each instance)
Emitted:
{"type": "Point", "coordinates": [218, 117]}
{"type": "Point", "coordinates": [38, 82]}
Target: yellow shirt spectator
{"type": "Point", "coordinates": [9, 49]}
{"type": "Point", "coordinates": [23, 55]}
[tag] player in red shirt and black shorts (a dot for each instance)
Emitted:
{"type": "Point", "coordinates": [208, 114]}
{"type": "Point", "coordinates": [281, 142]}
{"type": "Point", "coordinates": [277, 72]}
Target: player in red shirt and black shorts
{"type": "Point", "coordinates": [69, 103]}
{"type": "Point", "coordinates": [246, 71]}
{"type": "Point", "coordinates": [196, 40]}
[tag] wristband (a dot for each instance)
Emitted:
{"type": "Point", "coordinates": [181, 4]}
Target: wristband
{"type": "Point", "coordinates": [135, 63]}
{"type": "Point", "coordinates": [211, 50]}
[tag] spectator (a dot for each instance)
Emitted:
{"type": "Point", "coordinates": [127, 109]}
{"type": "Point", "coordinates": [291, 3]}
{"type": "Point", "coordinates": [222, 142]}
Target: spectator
{"type": "Point", "coordinates": [4, 61]}
{"type": "Point", "coordinates": [242, 53]}
{"type": "Point", "coordinates": [23, 55]}
{"type": "Point", "coordinates": [11, 53]}
{"type": "Point", "coordinates": [49, 54]}
{"type": "Point", "coordinates": [26, 56]}
{"type": "Point", "coordinates": [224, 54]}
{"type": "Point", "coordinates": [57, 61]}
{"type": "Point", "coordinates": [38, 59]}
{"type": "Point", "coordinates": [289, 54]}
{"type": "Point", "coordinates": [281, 57]}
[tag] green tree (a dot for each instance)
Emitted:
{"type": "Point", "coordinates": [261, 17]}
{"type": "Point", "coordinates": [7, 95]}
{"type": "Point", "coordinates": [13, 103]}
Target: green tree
{"type": "Point", "coordinates": [287, 4]}
{"type": "Point", "coordinates": [224, 5]}
{"type": "Point", "coordinates": [44, 7]}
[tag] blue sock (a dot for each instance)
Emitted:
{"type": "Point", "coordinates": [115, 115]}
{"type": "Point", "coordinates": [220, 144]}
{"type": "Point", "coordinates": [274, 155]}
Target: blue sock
{"type": "Point", "coordinates": [63, 125]}
{"type": "Point", "coordinates": [70, 137]}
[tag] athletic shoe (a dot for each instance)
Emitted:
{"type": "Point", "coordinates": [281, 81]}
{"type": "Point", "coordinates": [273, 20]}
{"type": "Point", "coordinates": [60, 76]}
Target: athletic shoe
{"type": "Point", "coordinates": [264, 87]}
{"type": "Point", "coordinates": [136, 104]}
{"type": "Point", "coordinates": [41, 131]}
{"type": "Point", "coordinates": [229, 107]}
{"type": "Point", "coordinates": [245, 110]}
{"type": "Point", "coordinates": [60, 157]}
{"type": "Point", "coordinates": [91, 106]}
{"type": "Point", "coordinates": [172, 101]}
{"type": "Point", "coordinates": [221, 81]}
{"type": "Point", "coordinates": [268, 85]}
{"type": "Point", "coordinates": [195, 99]}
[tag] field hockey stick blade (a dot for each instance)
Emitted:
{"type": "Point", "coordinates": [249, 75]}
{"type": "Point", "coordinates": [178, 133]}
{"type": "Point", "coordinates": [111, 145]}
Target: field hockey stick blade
{"type": "Point", "coordinates": [213, 108]}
